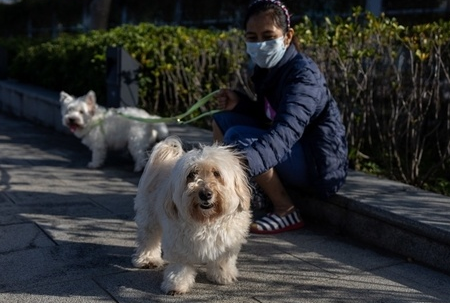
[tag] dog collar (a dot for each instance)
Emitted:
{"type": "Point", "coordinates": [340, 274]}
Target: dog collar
{"type": "Point", "coordinates": [98, 122]}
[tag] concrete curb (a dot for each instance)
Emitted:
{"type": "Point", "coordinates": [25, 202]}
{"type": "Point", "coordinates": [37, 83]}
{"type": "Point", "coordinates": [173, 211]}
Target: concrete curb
{"type": "Point", "coordinates": [35, 104]}
{"type": "Point", "coordinates": [415, 240]}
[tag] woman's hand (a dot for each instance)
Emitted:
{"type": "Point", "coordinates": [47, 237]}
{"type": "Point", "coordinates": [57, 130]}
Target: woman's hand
{"type": "Point", "coordinates": [227, 99]}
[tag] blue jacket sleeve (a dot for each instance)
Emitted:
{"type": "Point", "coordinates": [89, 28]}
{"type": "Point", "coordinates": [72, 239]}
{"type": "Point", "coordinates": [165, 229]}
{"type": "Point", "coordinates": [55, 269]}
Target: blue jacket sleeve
{"type": "Point", "coordinates": [298, 104]}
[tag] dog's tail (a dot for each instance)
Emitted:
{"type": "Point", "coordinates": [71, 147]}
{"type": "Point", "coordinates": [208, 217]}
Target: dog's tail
{"type": "Point", "coordinates": [162, 159]}
{"type": "Point", "coordinates": [169, 149]}
{"type": "Point", "coordinates": [162, 131]}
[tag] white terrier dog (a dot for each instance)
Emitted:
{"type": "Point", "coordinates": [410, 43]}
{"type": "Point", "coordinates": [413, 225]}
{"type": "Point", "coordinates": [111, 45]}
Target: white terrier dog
{"type": "Point", "coordinates": [103, 129]}
{"type": "Point", "coordinates": [194, 206]}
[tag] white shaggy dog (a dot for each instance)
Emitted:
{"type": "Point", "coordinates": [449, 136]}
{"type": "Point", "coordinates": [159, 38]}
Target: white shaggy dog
{"type": "Point", "coordinates": [103, 129]}
{"type": "Point", "coordinates": [194, 206]}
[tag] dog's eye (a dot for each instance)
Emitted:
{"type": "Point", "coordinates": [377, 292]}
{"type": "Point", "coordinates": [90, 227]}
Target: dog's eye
{"type": "Point", "coordinates": [81, 111]}
{"type": "Point", "coordinates": [192, 175]}
{"type": "Point", "coordinates": [216, 174]}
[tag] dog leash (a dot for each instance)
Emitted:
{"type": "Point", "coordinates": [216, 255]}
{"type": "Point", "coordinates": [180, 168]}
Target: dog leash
{"type": "Point", "coordinates": [180, 117]}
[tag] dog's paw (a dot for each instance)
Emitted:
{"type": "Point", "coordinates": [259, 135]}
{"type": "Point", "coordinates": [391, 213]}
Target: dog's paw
{"type": "Point", "coordinates": [175, 290]}
{"type": "Point", "coordinates": [146, 263]}
{"type": "Point", "coordinates": [174, 293]}
{"type": "Point", "coordinates": [222, 279]}
{"type": "Point", "coordinates": [178, 279]}
{"type": "Point", "coordinates": [138, 167]}
{"type": "Point", "coordinates": [151, 265]}
{"type": "Point", "coordinates": [93, 165]}
{"type": "Point", "coordinates": [222, 275]}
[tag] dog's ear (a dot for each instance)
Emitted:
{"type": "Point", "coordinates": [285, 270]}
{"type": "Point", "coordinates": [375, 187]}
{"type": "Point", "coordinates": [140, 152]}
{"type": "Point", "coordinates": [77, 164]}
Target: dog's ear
{"type": "Point", "coordinates": [91, 97]}
{"type": "Point", "coordinates": [91, 101]}
{"type": "Point", "coordinates": [243, 190]}
{"type": "Point", "coordinates": [63, 96]}
{"type": "Point", "coordinates": [170, 208]}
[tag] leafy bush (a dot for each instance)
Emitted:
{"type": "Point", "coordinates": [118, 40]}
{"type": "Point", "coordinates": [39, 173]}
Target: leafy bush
{"type": "Point", "coordinates": [13, 46]}
{"type": "Point", "coordinates": [179, 65]}
{"type": "Point", "coordinates": [393, 87]}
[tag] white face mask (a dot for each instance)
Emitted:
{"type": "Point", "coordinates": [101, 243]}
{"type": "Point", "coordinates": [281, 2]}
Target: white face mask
{"type": "Point", "coordinates": [268, 53]}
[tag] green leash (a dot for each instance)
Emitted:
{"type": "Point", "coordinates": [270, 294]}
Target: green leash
{"type": "Point", "coordinates": [180, 117]}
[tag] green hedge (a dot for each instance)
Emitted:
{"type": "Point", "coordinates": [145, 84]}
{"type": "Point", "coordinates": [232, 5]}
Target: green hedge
{"type": "Point", "coordinates": [179, 65]}
{"type": "Point", "coordinates": [392, 82]}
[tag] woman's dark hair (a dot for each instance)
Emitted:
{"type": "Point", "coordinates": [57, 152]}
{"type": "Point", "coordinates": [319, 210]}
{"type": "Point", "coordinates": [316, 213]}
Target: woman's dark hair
{"type": "Point", "coordinates": [279, 12]}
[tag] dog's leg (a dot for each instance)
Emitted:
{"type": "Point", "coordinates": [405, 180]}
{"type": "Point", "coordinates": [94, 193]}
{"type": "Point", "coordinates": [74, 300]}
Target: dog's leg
{"type": "Point", "coordinates": [138, 146]}
{"type": "Point", "coordinates": [148, 251]}
{"type": "Point", "coordinates": [139, 157]}
{"type": "Point", "coordinates": [178, 279]}
{"type": "Point", "coordinates": [223, 270]}
{"type": "Point", "coordinates": [98, 157]}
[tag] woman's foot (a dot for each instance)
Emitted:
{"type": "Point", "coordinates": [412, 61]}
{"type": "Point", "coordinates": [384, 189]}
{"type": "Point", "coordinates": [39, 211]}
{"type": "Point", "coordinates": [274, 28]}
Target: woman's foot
{"type": "Point", "coordinates": [274, 224]}
{"type": "Point", "coordinates": [259, 201]}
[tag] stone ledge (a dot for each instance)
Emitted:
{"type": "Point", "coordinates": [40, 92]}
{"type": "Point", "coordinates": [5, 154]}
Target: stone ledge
{"type": "Point", "coordinates": [390, 215]}
{"type": "Point", "coordinates": [33, 103]}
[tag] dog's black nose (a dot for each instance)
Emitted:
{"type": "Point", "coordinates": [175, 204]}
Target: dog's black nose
{"type": "Point", "coordinates": [205, 194]}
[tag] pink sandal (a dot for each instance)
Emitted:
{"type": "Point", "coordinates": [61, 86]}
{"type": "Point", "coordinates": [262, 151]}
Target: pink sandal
{"type": "Point", "coordinates": [274, 224]}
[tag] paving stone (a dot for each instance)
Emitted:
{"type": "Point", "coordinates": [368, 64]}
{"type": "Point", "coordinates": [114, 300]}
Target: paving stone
{"type": "Point", "coordinates": [15, 237]}
{"type": "Point", "coordinates": [65, 262]}
{"type": "Point", "coordinates": [76, 291]}
{"type": "Point", "coordinates": [9, 213]}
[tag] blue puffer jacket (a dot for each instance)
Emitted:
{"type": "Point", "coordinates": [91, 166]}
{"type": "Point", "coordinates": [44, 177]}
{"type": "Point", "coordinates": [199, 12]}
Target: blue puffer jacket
{"type": "Point", "coordinates": [306, 111]}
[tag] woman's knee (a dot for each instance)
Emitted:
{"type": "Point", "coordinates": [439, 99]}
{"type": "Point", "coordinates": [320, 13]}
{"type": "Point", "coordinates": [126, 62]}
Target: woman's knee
{"type": "Point", "coordinates": [242, 135]}
{"type": "Point", "coordinates": [232, 135]}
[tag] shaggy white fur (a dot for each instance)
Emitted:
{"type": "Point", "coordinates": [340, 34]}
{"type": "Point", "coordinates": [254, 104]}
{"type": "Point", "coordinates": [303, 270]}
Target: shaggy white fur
{"type": "Point", "coordinates": [195, 207]}
{"type": "Point", "coordinates": [103, 129]}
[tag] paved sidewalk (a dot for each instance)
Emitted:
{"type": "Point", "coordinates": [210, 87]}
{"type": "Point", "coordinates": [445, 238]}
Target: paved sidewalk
{"type": "Point", "coordinates": [67, 234]}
